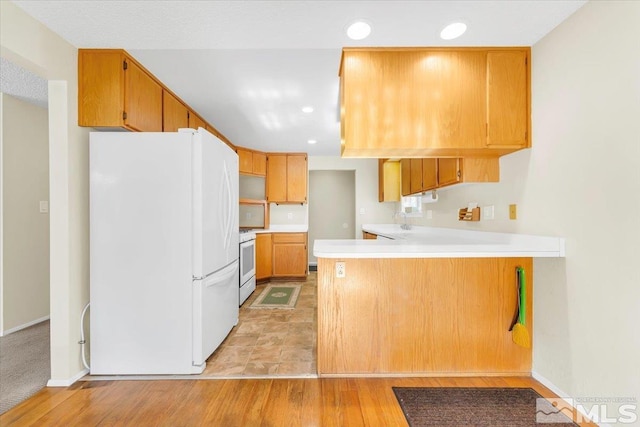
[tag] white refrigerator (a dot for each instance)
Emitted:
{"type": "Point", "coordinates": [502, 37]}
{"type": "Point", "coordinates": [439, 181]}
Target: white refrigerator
{"type": "Point", "coordinates": [164, 250]}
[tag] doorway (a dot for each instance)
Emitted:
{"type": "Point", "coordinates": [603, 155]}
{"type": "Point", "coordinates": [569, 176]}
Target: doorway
{"type": "Point", "coordinates": [332, 207]}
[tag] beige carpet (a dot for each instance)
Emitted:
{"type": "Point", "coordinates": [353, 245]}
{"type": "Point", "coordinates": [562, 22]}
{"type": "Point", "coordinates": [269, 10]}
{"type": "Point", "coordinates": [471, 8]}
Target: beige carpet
{"type": "Point", "coordinates": [25, 365]}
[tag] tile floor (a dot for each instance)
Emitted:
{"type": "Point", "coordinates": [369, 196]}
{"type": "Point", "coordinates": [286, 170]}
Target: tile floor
{"type": "Point", "coordinates": [270, 342]}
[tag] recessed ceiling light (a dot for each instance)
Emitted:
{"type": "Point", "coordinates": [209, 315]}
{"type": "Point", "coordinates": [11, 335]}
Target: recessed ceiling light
{"type": "Point", "coordinates": [307, 109]}
{"type": "Point", "coordinates": [312, 141]}
{"type": "Point", "coordinates": [359, 30]}
{"type": "Point", "coordinates": [453, 31]}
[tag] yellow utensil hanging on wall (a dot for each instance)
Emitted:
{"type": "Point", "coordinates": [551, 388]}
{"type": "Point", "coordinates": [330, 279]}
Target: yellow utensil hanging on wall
{"type": "Point", "coordinates": [520, 333]}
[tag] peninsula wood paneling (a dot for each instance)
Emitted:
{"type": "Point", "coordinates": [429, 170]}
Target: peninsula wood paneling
{"type": "Point", "coordinates": [421, 316]}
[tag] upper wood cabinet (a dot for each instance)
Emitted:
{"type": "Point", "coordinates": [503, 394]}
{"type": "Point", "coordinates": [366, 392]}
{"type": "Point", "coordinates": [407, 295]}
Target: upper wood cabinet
{"type": "Point", "coordinates": [195, 121]}
{"type": "Point", "coordinates": [429, 174]}
{"type": "Point", "coordinates": [388, 181]}
{"type": "Point", "coordinates": [433, 102]}
{"type": "Point", "coordinates": [252, 162]}
{"type": "Point", "coordinates": [405, 173]}
{"type": "Point", "coordinates": [438, 173]}
{"type": "Point", "coordinates": [115, 91]}
{"type": "Point", "coordinates": [507, 99]}
{"type": "Point", "coordinates": [175, 114]}
{"type": "Point", "coordinates": [287, 178]}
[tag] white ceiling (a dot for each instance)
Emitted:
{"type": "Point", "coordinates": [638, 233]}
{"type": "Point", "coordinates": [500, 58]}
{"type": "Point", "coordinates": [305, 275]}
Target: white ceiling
{"type": "Point", "coordinates": [249, 66]}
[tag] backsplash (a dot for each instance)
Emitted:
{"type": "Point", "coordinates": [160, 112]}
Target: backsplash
{"type": "Point", "coordinates": [289, 214]}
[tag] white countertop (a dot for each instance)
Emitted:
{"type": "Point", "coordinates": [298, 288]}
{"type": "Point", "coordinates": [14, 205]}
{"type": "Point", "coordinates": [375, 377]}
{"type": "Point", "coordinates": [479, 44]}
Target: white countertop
{"type": "Point", "coordinates": [435, 242]}
{"type": "Point", "coordinates": [283, 228]}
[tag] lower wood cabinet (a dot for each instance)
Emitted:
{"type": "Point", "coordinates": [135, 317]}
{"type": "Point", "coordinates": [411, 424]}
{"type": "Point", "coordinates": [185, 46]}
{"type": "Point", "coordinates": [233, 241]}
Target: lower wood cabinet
{"type": "Point", "coordinates": [366, 235]}
{"type": "Point", "coordinates": [264, 261]}
{"type": "Point", "coordinates": [281, 255]}
{"type": "Point", "coordinates": [289, 254]}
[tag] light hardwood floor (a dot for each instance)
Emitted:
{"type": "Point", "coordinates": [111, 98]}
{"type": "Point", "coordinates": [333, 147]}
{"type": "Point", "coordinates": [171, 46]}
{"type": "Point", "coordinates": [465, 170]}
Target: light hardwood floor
{"type": "Point", "coordinates": [235, 402]}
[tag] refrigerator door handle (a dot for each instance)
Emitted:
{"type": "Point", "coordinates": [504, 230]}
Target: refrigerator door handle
{"type": "Point", "coordinates": [222, 275]}
{"type": "Point", "coordinates": [229, 209]}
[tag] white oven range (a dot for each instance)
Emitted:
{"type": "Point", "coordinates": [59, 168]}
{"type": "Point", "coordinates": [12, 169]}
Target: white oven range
{"type": "Point", "coordinates": [247, 264]}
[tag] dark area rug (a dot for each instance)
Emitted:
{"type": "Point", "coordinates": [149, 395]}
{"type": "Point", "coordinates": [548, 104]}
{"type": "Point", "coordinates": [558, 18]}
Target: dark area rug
{"type": "Point", "coordinates": [452, 406]}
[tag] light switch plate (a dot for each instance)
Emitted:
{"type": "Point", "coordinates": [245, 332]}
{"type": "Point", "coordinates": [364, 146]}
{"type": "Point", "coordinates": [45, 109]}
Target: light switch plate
{"type": "Point", "coordinates": [290, 215]}
{"type": "Point", "coordinates": [488, 212]}
{"type": "Point", "coordinates": [513, 211]}
{"type": "Point", "coordinates": [44, 206]}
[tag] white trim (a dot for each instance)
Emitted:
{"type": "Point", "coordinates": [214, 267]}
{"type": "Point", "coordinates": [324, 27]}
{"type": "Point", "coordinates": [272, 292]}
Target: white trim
{"type": "Point", "coordinates": [23, 326]}
{"type": "Point", "coordinates": [564, 396]}
{"type": "Point", "coordinates": [67, 382]}
{"type": "Point", "coordinates": [1, 217]}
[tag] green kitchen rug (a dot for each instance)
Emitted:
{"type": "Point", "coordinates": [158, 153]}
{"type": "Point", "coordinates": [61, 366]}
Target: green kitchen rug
{"type": "Point", "coordinates": [277, 296]}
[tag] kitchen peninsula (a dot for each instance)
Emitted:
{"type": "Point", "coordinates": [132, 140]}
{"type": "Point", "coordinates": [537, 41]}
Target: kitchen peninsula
{"type": "Point", "coordinates": [426, 301]}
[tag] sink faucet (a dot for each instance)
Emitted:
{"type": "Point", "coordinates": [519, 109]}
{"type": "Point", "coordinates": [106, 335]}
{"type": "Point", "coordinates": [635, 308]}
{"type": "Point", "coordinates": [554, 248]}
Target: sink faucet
{"type": "Point", "coordinates": [405, 225]}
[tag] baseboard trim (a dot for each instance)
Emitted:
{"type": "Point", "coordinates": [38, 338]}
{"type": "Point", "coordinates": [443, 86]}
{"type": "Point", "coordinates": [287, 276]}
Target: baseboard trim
{"type": "Point", "coordinates": [423, 374]}
{"type": "Point", "coordinates": [24, 326]}
{"type": "Point", "coordinates": [561, 394]}
{"type": "Point", "coordinates": [69, 381]}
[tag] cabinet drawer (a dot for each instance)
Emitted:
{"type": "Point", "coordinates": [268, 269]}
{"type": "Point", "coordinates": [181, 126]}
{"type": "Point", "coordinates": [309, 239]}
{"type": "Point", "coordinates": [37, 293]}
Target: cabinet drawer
{"type": "Point", "coordinates": [289, 237]}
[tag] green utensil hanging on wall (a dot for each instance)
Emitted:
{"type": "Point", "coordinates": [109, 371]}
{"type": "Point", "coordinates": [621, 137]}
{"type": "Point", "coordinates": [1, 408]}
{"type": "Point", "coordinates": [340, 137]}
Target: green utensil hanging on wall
{"type": "Point", "coordinates": [520, 333]}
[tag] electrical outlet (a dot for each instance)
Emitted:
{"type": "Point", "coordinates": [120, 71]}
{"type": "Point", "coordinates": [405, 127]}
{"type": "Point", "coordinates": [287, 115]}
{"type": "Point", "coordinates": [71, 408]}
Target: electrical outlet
{"type": "Point", "coordinates": [340, 269]}
{"type": "Point", "coordinates": [488, 212]}
{"type": "Point", "coordinates": [290, 215]}
{"type": "Point", "coordinates": [513, 212]}
{"type": "Point", "coordinates": [248, 215]}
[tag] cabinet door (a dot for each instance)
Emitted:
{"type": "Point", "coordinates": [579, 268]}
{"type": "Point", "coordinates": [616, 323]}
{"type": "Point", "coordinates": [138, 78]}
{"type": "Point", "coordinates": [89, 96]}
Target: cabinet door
{"type": "Point", "coordinates": [174, 113]}
{"type": "Point", "coordinates": [277, 178]}
{"type": "Point", "coordinates": [264, 257]}
{"type": "Point", "coordinates": [245, 161]}
{"type": "Point", "coordinates": [100, 94]}
{"type": "Point", "coordinates": [449, 172]}
{"type": "Point", "coordinates": [195, 121]}
{"type": "Point", "coordinates": [429, 174]}
{"type": "Point", "coordinates": [289, 254]}
{"type": "Point", "coordinates": [405, 169]}
{"type": "Point", "coordinates": [297, 178]}
{"type": "Point", "coordinates": [388, 181]}
{"type": "Point", "coordinates": [507, 99]}
{"type": "Point", "coordinates": [142, 100]}
{"type": "Point", "coordinates": [416, 176]}
{"type": "Point", "coordinates": [430, 100]}
{"type": "Point", "coordinates": [259, 164]}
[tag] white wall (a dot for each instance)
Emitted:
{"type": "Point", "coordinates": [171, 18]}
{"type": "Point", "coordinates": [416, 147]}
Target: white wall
{"type": "Point", "coordinates": [581, 180]}
{"type": "Point", "coordinates": [31, 45]}
{"type": "Point", "coordinates": [366, 171]}
{"type": "Point", "coordinates": [25, 237]}
{"type": "Point", "coordinates": [332, 205]}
